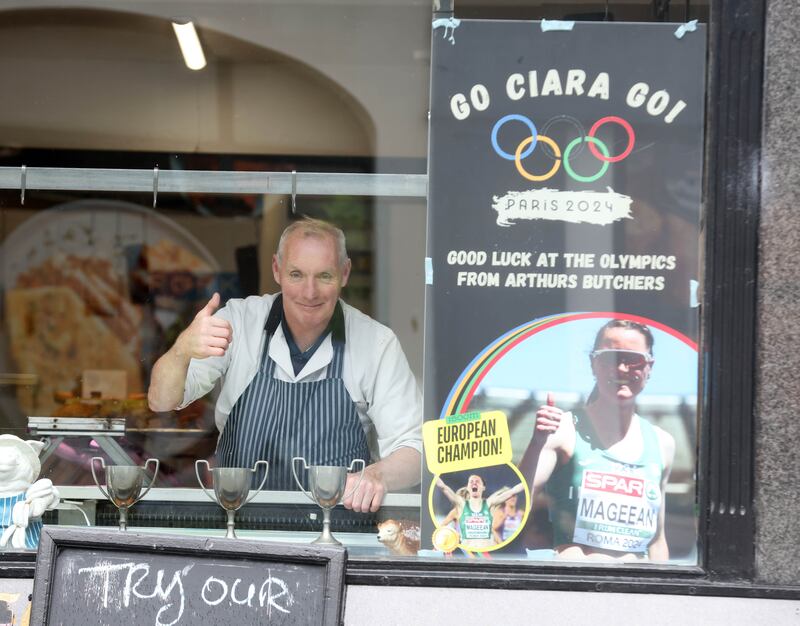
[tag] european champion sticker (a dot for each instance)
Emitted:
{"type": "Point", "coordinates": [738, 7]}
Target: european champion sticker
{"type": "Point", "coordinates": [466, 441]}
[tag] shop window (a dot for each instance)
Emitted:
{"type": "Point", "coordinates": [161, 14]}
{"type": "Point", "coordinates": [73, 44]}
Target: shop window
{"type": "Point", "coordinates": [112, 279]}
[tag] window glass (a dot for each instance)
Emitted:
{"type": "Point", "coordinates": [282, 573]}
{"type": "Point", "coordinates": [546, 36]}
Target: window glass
{"type": "Point", "coordinates": [100, 277]}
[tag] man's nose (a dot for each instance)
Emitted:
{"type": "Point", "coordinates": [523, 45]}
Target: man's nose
{"type": "Point", "coordinates": [310, 288]}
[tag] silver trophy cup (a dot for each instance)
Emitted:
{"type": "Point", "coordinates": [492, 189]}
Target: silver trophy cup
{"type": "Point", "coordinates": [124, 485]}
{"type": "Point", "coordinates": [231, 486]}
{"type": "Point", "coordinates": [326, 485]}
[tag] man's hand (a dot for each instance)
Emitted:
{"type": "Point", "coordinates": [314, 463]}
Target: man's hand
{"type": "Point", "coordinates": [548, 417]}
{"type": "Point", "coordinates": [399, 470]}
{"type": "Point", "coordinates": [207, 335]}
{"type": "Point", "coordinates": [370, 492]}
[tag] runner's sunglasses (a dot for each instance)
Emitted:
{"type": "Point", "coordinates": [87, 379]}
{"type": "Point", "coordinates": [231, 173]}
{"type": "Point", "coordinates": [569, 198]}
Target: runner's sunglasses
{"type": "Point", "coordinates": [614, 358]}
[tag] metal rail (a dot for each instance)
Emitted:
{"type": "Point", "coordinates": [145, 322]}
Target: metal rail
{"type": "Point", "coordinates": [202, 181]}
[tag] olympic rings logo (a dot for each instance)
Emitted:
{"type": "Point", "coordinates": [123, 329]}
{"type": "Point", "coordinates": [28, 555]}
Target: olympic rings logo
{"type": "Point", "coordinates": [598, 149]}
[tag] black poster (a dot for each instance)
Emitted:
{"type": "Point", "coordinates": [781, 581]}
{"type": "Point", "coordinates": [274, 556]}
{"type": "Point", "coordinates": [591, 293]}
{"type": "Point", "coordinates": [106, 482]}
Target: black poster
{"type": "Point", "coordinates": [565, 173]}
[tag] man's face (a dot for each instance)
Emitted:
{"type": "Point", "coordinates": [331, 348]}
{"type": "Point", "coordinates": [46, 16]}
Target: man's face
{"type": "Point", "coordinates": [310, 279]}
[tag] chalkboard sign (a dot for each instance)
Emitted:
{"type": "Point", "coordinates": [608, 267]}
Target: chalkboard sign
{"type": "Point", "coordinates": [86, 576]}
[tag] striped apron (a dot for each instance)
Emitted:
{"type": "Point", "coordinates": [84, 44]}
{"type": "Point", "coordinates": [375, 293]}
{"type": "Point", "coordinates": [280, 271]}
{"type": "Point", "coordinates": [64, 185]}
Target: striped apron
{"type": "Point", "coordinates": [276, 420]}
{"type": "Point", "coordinates": [34, 528]}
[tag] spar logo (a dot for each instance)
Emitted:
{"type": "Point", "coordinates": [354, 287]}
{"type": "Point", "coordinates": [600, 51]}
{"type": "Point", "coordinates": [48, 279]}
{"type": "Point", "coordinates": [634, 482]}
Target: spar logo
{"type": "Point", "coordinates": [614, 483]}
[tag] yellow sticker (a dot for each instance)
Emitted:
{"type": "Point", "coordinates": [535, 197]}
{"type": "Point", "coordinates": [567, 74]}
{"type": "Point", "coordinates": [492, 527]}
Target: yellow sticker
{"type": "Point", "coordinates": [466, 441]}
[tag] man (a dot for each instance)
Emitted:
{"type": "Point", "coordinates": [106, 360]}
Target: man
{"type": "Point", "coordinates": [303, 374]}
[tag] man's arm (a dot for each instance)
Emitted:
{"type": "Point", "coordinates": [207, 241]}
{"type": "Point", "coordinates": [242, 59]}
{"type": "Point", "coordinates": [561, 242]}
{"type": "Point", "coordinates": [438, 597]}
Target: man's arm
{"type": "Point", "coordinates": [394, 406]}
{"type": "Point", "coordinates": [168, 379]}
{"type": "Point", "coordinates": [398, 470]}
{"type": "Point", "coordinates": [206, 336]}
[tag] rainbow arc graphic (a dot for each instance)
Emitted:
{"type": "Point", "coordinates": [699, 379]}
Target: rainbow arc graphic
{"type": "Point", "coordinates": [460, 397]}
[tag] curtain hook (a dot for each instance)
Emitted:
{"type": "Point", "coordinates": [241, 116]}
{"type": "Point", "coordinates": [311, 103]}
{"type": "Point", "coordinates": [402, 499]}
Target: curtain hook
{"type": "Point", "coordinates": [23, 175]}
{"type": "Point", "coordinates": [155, 185]}
{"type": "Point", "coordinates": [294, 192]}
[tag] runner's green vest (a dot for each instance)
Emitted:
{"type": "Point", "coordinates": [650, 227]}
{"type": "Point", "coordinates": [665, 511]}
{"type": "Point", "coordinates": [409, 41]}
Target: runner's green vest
{"type": "Point", "coordinates": [602, 502]}
{"type": "Point", "coordinates": [475, 525]}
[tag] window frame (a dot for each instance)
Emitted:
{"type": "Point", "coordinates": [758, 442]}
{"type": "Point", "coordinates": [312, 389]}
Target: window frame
{"type": "Point", "coordinates": [726, 455]}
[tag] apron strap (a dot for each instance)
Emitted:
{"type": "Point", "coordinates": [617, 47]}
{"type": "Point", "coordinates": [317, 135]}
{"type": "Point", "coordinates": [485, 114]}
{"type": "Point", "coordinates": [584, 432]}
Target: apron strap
{"type": "Point", "coordinates": [275, 316]}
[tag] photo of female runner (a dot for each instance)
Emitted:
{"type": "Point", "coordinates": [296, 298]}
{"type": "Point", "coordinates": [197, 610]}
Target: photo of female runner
{"type": "Point", "coordinates": [474, 516]}
{"type": "Point", "coordinates": [604, 468]}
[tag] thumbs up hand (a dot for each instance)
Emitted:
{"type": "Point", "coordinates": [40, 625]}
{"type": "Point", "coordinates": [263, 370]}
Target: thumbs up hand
{"type": "Point", "coordinates": [207, 335]}
{"type": "Point", "coordinates": [548, 417]}
{"type": "Point", "coordinates": [211, 306]}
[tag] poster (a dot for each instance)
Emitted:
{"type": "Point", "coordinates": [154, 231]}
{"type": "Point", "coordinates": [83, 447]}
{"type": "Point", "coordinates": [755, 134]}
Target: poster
{"type": "Point", "coordinates": [565, 169]}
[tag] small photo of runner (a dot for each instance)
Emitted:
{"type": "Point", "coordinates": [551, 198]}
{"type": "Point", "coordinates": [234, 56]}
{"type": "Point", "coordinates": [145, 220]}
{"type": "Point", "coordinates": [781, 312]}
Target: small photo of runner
{"type": "Point", "coordinates": [487, 507]}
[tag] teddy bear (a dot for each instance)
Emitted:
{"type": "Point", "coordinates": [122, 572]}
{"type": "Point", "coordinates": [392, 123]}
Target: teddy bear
{"type": "Point", "coordinates": [23, 499]}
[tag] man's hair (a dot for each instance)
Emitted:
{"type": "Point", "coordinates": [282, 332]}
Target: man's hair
{"type": "Point", "coordinates": [309, 227]}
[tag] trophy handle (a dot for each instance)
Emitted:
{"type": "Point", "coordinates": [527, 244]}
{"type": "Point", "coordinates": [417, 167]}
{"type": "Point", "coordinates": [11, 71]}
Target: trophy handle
{"type": "Point", "coordinates": [152, 482]}
{"type": "Point", "coordinates": [360, 478]}
{"type": "Point", "coordinates": [97, 482]}
{"type": "Point", "coordinates": [266, 472]}
{"type": "Point", "coordinates": [297, 480]}
{"type": "Point", "coordinates": [200, 480]}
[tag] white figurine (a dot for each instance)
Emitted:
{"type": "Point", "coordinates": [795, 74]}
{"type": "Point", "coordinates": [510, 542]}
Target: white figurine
{"type": "Point", "coordinates": [23, 501]}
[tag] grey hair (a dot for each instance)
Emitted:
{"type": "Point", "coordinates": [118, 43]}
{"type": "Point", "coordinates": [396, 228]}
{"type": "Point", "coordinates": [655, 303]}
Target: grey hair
{"type": "Point", "coordinates": [309, 227]}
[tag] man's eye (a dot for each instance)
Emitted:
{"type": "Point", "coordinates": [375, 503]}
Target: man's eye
{"type": "Point", "coordinates": [326, 277]}
{"type": "Point", "coordinates": [295, 275]}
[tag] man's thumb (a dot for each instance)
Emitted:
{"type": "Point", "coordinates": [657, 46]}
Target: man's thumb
{"type": "Point", "coordinates": [209, 308]}
{"type": "Point", "coordinates": [551, 401]}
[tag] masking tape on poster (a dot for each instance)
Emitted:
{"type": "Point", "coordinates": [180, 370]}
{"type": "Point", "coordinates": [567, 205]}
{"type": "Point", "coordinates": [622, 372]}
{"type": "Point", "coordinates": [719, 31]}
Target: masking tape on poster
{"type": "Point", "coordinates": [688, 27]}
{"type": "Point", "coordinates": [549, 25]}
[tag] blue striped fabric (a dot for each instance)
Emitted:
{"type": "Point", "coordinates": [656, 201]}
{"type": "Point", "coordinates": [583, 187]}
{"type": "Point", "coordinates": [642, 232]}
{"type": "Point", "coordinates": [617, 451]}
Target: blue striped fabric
{"type": "Point", "coordinates": [34, 530]}
{"type": "Point", "coordinates": [7, 505]}
{"type": "Point", "coordinates": [276, 420]}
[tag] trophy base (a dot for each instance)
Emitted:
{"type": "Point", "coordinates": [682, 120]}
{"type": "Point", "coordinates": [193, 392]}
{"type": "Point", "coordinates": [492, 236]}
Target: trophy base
{"type": "Point", "coordinates": [328, 540]}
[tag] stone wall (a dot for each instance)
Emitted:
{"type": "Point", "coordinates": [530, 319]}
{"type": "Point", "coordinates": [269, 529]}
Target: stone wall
{"type": "Point", "coordinates": [777, 408]}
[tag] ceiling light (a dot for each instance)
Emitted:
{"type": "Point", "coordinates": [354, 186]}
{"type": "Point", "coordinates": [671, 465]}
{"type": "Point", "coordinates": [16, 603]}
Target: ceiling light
{"type": "Point", "coordinates": [190, 45]}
